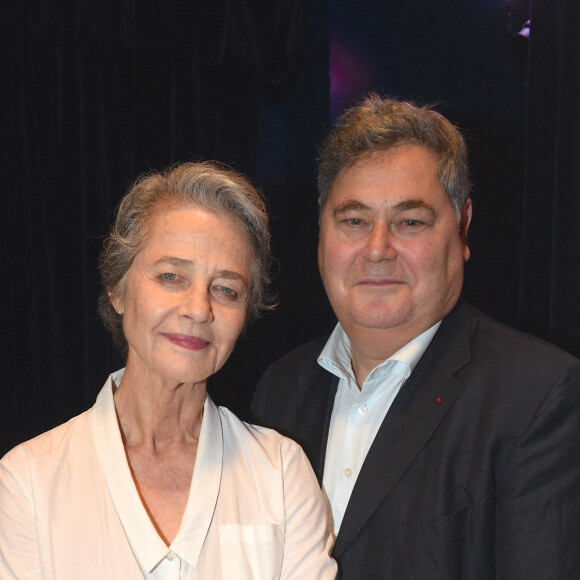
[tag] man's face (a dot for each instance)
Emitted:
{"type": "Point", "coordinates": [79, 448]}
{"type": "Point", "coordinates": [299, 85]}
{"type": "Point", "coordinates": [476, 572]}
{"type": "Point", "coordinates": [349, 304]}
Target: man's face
{"type": "Point", "coordinates": [391, 252]}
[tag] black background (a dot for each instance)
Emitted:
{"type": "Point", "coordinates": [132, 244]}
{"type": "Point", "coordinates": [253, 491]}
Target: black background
{"type": "Point", "coordinates": [94, 93]}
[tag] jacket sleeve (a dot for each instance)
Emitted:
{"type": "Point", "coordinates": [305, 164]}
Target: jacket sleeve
{"type": "Point", "coordinates": [538, 493]}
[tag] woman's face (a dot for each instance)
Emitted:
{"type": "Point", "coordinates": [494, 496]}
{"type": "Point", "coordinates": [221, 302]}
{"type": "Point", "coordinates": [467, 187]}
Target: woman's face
{"type": "Point", "coordinates": [186, 296]}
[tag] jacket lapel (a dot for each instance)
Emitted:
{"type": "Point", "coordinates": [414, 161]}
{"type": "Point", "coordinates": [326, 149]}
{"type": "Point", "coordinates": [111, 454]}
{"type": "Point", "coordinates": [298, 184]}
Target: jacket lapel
{"type": "Point", "coordinates": [410, 422]}
{"type": "Point", "coordinates": [316, 392]}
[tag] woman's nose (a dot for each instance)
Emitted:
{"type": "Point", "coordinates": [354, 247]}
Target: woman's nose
{"type": "Point", "coordinates": [198, 304]}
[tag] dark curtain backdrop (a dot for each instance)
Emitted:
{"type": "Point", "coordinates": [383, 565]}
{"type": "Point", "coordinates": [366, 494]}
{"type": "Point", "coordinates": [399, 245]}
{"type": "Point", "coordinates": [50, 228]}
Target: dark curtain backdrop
{"type": "Point", "coordinates": [549, 302]}
{"type": "Point", "coordinates": [93, 93]}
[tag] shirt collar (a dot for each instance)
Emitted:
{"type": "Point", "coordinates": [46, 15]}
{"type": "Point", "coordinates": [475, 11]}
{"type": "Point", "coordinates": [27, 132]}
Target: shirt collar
{"type": "Point", "coordinates": [146, 543]}
{"type": "Point", "coordinates": [205, 485]}
{"type": "Point", "coordinates": [336, 354]}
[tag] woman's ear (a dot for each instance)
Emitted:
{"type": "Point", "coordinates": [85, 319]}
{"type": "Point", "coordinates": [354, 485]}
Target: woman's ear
{"type": "Point", "coordinates": [116, 302]}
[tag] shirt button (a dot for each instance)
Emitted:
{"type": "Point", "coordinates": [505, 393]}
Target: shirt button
{"type": "Point", "coordinates": [170, 556]}
{"type": "Point", "coordinates": [348, 472]}
{"type": "Point", "coordinates": [363, 409]}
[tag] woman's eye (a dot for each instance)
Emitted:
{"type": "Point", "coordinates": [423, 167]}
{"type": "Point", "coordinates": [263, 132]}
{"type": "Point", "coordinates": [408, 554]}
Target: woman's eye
{"type": "Point", "coordinates": [227, 292]}
{"type": "Point", "coordinates": [169, 276]}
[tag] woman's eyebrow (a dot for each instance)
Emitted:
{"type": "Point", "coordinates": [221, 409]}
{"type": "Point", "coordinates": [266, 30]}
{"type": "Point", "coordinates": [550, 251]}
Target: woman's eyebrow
{"type": "Point", "coordinates": [174, 261]}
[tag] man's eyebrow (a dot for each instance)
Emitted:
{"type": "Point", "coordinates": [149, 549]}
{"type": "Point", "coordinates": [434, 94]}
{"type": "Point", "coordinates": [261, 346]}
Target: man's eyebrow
{"type": "Point", "coordinates": [407, 204]}
{"type": "Point", "coordinates": [414, 204]}
{"type": "Point", "coordinates": [350, 205]}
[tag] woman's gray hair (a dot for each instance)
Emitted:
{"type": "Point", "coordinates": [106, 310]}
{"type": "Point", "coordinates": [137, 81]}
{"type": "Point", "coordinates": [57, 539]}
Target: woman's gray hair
{"type": "Point", "coordinates": [377, 125]}
{"type": "Point", "coordinates": [208, 185]}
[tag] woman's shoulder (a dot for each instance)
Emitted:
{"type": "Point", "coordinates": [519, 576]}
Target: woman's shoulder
{"type": "Point", "coordinates": [262, 439]}
{"type": "Point", "coordinates": [275, 462]}
{"type": "Point", "coordinates": [50, 444]}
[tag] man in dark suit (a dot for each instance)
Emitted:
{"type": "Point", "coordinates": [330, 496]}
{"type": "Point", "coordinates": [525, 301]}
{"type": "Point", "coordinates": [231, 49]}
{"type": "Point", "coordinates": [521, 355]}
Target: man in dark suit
{"type": "Point", "coordinates": [448, 444]}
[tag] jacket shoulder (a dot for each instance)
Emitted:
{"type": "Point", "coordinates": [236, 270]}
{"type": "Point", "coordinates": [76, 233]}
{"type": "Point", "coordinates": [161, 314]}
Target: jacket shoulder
{"type": "Point", "coordinates": [495, 338]}
{"type": "Point", "coordinates": [291, 387]}
{"type": "Point", "coordinates": [304, 356]}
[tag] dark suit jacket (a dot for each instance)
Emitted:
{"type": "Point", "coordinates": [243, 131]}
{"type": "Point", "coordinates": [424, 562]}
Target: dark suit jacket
{"type": "Point", "coordinates": [475, 471]}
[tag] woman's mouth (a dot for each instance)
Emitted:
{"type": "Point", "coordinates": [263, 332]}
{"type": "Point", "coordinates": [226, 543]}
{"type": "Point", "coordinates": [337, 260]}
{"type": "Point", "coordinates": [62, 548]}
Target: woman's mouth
{"type": "Point", "coordinates": [187, 341]}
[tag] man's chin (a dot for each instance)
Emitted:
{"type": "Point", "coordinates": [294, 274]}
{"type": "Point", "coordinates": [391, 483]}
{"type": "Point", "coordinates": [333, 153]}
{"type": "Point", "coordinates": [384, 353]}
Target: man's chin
{"type": "Point", "coordinates": [381, 319]}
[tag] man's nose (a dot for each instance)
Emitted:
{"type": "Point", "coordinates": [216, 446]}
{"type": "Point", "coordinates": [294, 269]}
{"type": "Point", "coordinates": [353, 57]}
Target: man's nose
{"type": "Point", "coordinates": [380, 243]}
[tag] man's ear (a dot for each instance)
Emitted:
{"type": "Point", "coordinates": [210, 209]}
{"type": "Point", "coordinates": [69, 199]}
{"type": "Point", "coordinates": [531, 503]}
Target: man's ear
{"type": "Point", "coordinates": [466, 215]}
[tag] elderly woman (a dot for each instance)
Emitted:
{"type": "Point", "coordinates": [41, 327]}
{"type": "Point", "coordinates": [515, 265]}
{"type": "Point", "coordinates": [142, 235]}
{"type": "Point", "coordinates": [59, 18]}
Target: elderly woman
{"type": "Point", "coordinates": [155, 481]}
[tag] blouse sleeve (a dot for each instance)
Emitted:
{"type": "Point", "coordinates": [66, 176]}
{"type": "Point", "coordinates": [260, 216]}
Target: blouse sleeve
{"type": "Point", "coordinates": [308, 540]}
{"type": "Point", "coordinates": [19, 556]}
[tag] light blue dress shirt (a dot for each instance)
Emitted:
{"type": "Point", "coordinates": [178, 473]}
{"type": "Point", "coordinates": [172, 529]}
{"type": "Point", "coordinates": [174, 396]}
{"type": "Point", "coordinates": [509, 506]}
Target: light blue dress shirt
{"type": "Point", "coordinates": [357, 413]}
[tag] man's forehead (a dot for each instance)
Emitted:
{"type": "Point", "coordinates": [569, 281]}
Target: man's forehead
{"type": "Point", "coordinates": [400, 179]}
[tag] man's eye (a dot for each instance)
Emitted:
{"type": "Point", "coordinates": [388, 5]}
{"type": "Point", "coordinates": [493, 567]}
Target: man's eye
{"type": "Point", "coordinates": [169, 276]}
{"type": "Point", "coordinates": [354, 221]}
{"type": "Point", "coordinates": [411, 222]}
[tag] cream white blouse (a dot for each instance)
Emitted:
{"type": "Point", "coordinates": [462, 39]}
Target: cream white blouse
{"type": "Point", "coordinates": [69, 508]}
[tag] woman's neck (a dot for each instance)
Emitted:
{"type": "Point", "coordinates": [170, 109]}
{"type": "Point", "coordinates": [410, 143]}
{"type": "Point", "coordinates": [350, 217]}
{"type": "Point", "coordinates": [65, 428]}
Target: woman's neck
{"type": "Point", "coordinates": [158, 413]}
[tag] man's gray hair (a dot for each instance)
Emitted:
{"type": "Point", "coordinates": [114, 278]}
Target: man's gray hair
{"type": "Point", "coordinates": [377, 125]}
